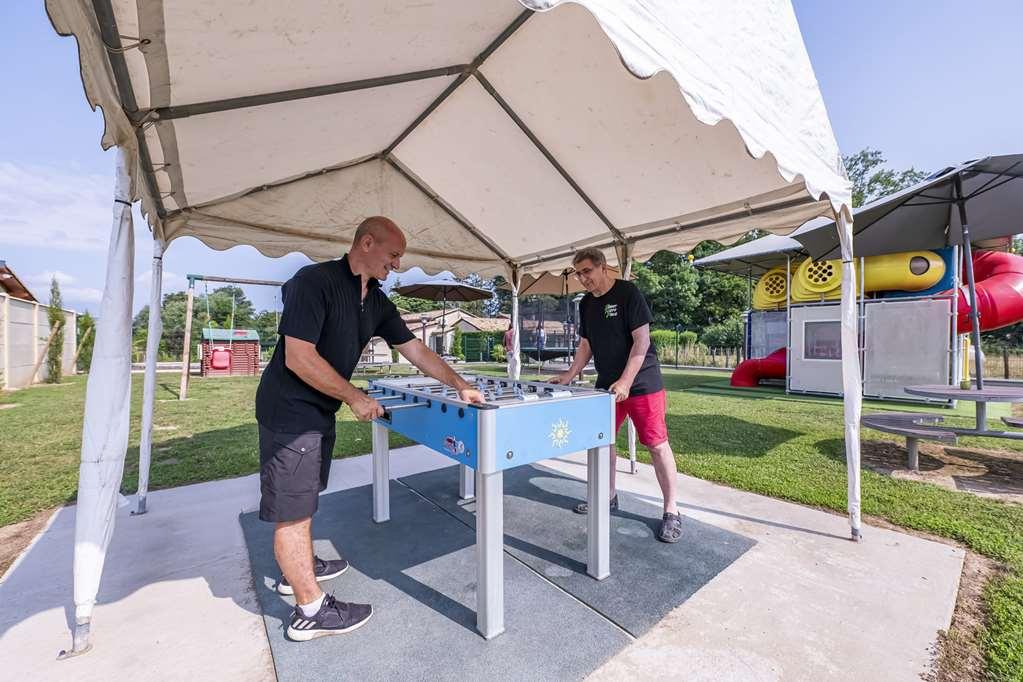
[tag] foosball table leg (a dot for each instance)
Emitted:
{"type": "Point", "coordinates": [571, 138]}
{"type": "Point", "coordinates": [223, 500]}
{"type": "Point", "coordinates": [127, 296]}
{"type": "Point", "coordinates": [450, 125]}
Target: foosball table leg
{"type": "Point", "coordinates": [381, 474]}
{"type": "Point", "coordinates": [598, 499]}
{"type": "Point", "coordinates": [490, 554]}
{"type": "Point", "coordinates": [466, 482]}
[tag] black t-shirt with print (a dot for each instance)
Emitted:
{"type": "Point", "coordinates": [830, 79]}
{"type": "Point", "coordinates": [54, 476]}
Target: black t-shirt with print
{"type": "Point", "coordinates": [323, 305]}
{"type": "Point", "coordinates": [607, 323]}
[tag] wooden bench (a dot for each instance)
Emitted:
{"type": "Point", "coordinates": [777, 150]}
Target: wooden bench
{"type": "Point", "coordinates": [914, 426]}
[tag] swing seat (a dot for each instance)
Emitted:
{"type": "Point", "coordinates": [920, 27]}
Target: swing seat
{"type": "Point", "coordinates": [220, 358]}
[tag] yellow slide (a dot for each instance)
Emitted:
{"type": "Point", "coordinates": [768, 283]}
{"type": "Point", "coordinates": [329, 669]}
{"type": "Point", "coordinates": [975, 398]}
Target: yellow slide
{"type": "Point", "coordinates": [822, 280]}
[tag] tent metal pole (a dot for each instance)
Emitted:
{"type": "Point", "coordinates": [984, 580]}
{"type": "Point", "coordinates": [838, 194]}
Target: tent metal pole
{"type": "Point", "coordinates": [186, 344]}
{"type": "Point", "coordinates": [974, 313]}
{"type": "Point", "coordinates": [153, 334]}
{"type": "Point", "coordinates": [956, 371]}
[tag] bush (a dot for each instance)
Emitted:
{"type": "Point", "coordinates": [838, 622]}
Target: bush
{"type": "Point", "coordinates": [662, 338]}
{"type": "Point", "coordinates": [688, 338]}
{"type": "Point", "coordinates": [498, 354]}
{"type": "Point", "coordinates": [724, 334]}
{"type": "Point", "coordinates": [456, 345]}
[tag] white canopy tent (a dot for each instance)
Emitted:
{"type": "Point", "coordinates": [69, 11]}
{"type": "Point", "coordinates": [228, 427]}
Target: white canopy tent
{"type": "Point", "coordinates": [500, 135]}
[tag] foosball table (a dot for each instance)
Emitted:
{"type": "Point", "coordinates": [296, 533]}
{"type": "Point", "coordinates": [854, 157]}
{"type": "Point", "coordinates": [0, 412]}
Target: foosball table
{"type": "Point", "coordinates": [522, 422]}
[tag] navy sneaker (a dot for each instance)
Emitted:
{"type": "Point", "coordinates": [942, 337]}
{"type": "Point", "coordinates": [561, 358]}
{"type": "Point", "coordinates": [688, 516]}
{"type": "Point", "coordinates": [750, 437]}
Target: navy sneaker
{"type": "Point", "coordinates": [333, 618]}
{"type": "Point", "coordinates": [583, 507]}
{"type": "Point", "coordinates": [324, 570]}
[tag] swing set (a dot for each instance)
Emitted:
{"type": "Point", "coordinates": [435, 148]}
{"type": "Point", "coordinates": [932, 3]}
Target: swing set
{"type": "Point", "coordinates": [223, 351]}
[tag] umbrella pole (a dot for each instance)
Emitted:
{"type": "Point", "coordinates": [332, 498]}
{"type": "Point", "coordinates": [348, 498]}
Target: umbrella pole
{"type": "Point", "coordinates": [971, 286]}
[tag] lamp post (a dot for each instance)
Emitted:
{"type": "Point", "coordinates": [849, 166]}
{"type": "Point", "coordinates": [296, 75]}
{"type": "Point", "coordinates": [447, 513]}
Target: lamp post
{"type": "Point", "coordinates": [678, 328]}
{"type": "Point", "coordinates": [423, 319]}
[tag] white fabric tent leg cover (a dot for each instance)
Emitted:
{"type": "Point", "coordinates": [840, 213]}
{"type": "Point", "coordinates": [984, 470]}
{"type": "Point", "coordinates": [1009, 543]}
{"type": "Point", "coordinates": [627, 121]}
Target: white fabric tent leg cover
{"type": "Point", "coordinates": [107, 403]}
{"type": "Point", "coordinates": [514, 364]}
{"type": "Point", "coordinates": [149, 387]}
{"type": "Point", "coordinates": [851, 386]}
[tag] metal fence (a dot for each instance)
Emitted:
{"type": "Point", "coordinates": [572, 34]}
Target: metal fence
{"type": "Point", "coordinates": [698, 355]}
{"type": "Point", "coordinates": [1001, 363]}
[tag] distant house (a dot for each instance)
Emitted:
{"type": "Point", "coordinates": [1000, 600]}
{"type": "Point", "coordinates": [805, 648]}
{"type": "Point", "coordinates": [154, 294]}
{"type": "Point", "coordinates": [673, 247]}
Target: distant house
{"type": "Point", "coordinates": [24, 331]}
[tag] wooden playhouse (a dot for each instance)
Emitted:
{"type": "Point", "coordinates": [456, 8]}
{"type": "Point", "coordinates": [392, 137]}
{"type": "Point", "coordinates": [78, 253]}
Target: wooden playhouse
{"type": "Point", "coordinates": [230, 352]}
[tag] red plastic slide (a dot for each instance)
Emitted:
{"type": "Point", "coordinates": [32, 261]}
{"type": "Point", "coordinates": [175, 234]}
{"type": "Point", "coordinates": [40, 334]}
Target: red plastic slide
{"type": "Point", "coordinates": [999, 278]}
{"type": "Point", "coordinates": [750, 372]}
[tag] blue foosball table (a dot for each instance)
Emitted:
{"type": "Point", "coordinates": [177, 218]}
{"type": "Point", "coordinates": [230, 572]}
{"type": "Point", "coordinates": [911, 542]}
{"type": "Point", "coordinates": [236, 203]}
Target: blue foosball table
{"type": "Point", "coordinates": [521, 423]}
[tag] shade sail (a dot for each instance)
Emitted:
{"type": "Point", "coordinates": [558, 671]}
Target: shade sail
{"type": "Point", "coordinates": [498, 137]}
{"type": "Point", "coordinates": [754, 257]}
{"type": "Point", "coordinates": [925, 216]}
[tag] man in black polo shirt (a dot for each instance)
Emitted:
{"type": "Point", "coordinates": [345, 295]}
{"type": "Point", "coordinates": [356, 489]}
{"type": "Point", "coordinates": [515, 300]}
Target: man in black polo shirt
{"type": "Point", "coordinates": [614, 329]}
{"type": "Point", "coordinates": [331, 310]}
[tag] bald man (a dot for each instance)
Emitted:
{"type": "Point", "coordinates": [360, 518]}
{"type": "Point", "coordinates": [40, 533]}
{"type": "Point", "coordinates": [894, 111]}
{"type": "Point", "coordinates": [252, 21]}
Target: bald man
{"type": "Point", "coordinates": [331, 310]}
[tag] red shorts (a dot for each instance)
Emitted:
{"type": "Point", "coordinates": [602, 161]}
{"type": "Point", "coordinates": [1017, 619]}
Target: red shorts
{"type": "Point", "coordinates": [647, 414]}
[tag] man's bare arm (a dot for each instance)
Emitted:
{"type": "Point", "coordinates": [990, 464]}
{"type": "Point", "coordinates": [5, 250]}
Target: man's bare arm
{"type": "Point", "coordinates": [583, 353]}
{"type": "Point", "coordinates": [302, 358]}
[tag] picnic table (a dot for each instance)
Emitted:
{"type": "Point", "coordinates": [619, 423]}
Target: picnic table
{"type": "Point", "coordinates": [917, 426]}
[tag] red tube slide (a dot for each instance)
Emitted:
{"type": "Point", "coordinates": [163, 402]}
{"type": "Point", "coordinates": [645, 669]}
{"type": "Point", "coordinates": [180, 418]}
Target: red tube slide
{"type": "Point", "coordinates": [750, 372]}
{"type": "Point", "coordinates": [999, 278]}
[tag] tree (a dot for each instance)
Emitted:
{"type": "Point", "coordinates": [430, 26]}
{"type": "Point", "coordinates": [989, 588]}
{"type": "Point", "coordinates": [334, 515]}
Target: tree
{"type": "Point", "coordinates": [55, 315]}
{"type": "Point", "coordinates": [670, 286]}
{"type": "Point", "coordinates": [478, 308]}
{"type": "Point", "coordinates": [87, 338]}
{"type": "Point", "coordinates": [871, 180]}
{"type": "Point", "coordinates": [501, 302]}
{"type": "Point", "coordinates": [456, 344]}
{"type": "Point", "coordinates": [266, 326]}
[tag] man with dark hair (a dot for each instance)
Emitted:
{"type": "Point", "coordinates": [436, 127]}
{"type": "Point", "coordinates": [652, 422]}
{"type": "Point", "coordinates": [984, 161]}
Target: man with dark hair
{"type": "Point", "coordinates": [331, 310]}
{"type": "Point", "coordinates": [614, 329]}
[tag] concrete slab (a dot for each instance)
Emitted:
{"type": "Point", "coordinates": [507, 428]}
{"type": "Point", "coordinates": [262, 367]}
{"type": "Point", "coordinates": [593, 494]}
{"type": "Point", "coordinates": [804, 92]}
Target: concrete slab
{"type": "Point", "coordinates": [419, 572]}
{"type": "Point", "coordinates": [648, 578]}
{"type": "Point", "coordinates": [177, 598]}
{"type": "Point", "coordinates": [176, 601]}
{"type": "Point", "coordinates": [805, 603]}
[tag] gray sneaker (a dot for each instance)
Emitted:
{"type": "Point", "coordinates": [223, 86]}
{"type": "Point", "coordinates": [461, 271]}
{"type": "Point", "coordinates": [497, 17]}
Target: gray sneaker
{"type": "Point", "coordinates": [583, 507]}
{"type": "Point", "coordinates": [324, 569]}
{"type": "Point", "coordinates": [333, 618]}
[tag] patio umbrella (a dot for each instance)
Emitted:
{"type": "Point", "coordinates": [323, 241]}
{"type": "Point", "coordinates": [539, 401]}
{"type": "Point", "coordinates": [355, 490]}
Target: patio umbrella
{"type": "Point", "coordinates": [975, 201]}
{"type": "Point", "coordinates": [444, 290]}
{"type": "Point", "coordinates": [503, 135]}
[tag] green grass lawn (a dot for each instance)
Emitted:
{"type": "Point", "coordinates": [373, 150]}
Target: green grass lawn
{"type": "Point", "coordinates": [761, 440]}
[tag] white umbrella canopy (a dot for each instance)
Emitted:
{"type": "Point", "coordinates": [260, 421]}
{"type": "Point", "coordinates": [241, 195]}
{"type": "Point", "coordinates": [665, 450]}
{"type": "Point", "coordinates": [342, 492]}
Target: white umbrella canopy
{"type": "Point", "coordinates": [502, 135]}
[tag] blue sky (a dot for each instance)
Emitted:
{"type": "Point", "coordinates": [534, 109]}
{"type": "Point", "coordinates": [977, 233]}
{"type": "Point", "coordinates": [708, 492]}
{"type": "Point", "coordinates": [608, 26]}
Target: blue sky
{"type": "Point", "coordinates": [929, 84]}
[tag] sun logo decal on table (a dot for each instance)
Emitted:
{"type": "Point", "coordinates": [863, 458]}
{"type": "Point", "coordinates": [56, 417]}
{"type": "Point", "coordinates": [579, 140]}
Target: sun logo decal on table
{"type": "Point", "coordinates": [559, 433]}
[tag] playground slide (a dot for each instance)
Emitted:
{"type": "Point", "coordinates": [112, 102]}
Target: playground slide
{"type": "Point", "coordinates": [999, 278]}
{"type": "Point", "coordinates": [750, 372]}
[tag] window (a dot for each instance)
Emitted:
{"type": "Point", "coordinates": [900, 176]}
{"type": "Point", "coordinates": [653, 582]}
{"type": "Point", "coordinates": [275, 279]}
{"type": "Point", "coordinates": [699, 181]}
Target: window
{"type": "Point", "coordinates": [822, 340]}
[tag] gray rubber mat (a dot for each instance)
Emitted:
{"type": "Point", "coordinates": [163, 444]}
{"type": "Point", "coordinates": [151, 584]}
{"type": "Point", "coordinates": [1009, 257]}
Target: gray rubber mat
{"type": "Point", "coordinates": [419, 572]}
{"type": "Point", "coordinates": [648, 578]}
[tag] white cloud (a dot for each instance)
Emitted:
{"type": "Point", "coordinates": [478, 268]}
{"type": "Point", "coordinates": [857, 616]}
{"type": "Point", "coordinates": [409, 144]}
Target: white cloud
{"type": "Point", "coordinates": [44, 278]}
{"type": "Point", "coordinates": [49, 207]}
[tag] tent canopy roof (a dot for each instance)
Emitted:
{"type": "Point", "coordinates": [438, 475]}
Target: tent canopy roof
{"type": "Point", "coordinates": [752, 258]}
{"type": "Point", "coordinates": [498, 134]}
{"type": "Point", "coordinates": [925, 216]}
